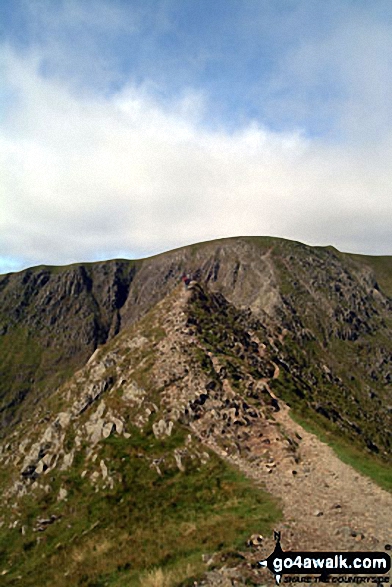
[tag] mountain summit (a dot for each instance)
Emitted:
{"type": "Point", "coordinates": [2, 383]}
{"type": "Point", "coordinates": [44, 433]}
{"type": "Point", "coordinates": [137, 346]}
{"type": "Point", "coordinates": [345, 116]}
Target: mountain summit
{"type": "Point", "coordinates": [142, 419]}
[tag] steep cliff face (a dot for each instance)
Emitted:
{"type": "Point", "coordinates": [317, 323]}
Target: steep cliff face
{"type": "Point", "coordinates": [51, 320]}
{"type": "Point", "coordinates": [330, 311]}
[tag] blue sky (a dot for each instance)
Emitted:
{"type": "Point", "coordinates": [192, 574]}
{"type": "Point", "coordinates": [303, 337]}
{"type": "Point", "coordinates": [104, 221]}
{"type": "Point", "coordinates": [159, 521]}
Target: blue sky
{"type": "Point", "coordinates": [129, 128]}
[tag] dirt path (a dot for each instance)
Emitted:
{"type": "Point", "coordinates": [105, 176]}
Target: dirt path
{"type": "Point", "coordinates": [327, 505]}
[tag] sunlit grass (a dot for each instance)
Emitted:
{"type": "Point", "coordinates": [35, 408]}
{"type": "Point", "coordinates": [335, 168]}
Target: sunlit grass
{"type": "Point", "coordinates": [148, 527]}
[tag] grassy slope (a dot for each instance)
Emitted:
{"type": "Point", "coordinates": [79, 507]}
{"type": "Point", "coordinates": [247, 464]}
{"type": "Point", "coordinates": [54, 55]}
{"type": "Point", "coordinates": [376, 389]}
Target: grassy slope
{"type": "Point", "coordinates": [348, 449]}
{"type": "Point", "coordinates": [146, 521]}
{"type": "Point", "coordinates": [41, 364]}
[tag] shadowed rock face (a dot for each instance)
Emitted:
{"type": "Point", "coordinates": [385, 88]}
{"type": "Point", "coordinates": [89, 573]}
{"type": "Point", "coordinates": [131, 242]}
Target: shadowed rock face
{"type": "Point", "coordinates": [50, 323]}
{"type": "Point", "coordinates": [327, 309]}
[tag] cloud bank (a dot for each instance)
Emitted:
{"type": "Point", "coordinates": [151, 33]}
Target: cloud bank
{"type": "Point", "coordinates": [92, 174]}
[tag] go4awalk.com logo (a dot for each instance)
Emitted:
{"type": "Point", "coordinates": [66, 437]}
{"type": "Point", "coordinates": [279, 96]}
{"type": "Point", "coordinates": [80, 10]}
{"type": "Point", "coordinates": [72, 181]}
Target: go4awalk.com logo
{"type": "Point", "coordinates": [326, 563]}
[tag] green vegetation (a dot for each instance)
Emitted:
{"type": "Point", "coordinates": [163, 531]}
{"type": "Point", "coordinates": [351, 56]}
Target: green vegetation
{"type": "Point", "coordinates": [147, 524]}
{"type": "Point", "coordinates": [268, 241]}
{"type": "Point", "coordinates": [25, 360]}
{"type": "Point", "coordinates": [58, 269]}
{"type": "Point", "coordinates": [153, 524]}
{"type": "Point", "coordinates": [221, 331]}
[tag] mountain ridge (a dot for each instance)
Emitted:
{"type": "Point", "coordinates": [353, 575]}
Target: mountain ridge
{"type": "Point", "coordinates": [334, 313]}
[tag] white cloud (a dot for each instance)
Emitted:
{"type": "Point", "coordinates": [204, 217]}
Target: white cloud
{"type": "Point", "coordinates": [339, 81]}
{"type": "Point", "coordinates": [83, 175]}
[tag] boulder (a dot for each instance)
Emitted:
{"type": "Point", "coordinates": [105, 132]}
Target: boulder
{"type": "Point", "coordinates": [107, 429]}
{"type": "Point", "coordinates": [94, 430]}
{"type": "Point", "coordinates": [62, 494]}
{"type": "Point", "coordinates": [255, 540]}
{"type": "Point", "coordinates": [118, 424]}
{"type": "Point", "coordinates": [162, 428]}
{"type": "Point", "coordinates": [104, 469]}
{"type": "Point", "coordinates": [67, 461]}
{"type": "Point", "coordinates": [63, 419]}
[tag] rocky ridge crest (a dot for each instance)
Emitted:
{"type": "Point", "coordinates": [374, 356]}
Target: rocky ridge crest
{"type": "Point", "coordinates": [332, 311]}
{"type": "Point", "coordinates": [217, 400]}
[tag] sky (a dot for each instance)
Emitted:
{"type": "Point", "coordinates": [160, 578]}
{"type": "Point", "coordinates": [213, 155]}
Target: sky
{"type": "Point", "coordinates": [131, 127]}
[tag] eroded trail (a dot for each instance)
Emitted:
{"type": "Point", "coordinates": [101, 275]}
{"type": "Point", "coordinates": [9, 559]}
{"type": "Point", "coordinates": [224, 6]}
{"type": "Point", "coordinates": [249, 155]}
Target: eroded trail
{"type": "Point", "coordinates": [327, 505]}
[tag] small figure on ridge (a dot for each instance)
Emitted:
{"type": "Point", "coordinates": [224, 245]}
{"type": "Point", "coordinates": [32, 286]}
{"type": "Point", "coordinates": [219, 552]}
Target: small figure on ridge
{"type": "Point", "coordinates": [186, 280]}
